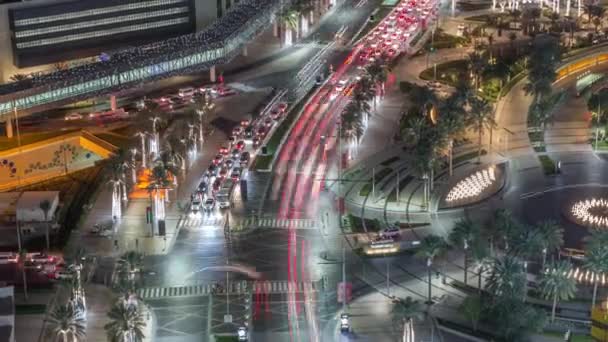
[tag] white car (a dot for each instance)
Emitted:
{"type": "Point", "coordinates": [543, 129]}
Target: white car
{"type": "Point", "coordinates": [195, 206]}
{"type": "Point", "coordinates": [73, 116]}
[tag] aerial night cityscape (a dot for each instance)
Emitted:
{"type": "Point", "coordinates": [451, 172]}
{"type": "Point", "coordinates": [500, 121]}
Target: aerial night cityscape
{"type": "Point", "coordinates": [303, 170]}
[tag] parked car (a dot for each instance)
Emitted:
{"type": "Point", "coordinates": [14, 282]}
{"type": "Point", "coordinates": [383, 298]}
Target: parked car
{"type": "Point", "coordinates": [390, 233]}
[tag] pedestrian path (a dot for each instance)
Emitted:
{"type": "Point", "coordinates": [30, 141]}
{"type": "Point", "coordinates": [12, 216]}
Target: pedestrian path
{"type": "Point", "coordinates": [279, 223]}
{"type": "Point", "coordinates": [202, 221]}
{"type": "Point", "coordinates": [237, 287]}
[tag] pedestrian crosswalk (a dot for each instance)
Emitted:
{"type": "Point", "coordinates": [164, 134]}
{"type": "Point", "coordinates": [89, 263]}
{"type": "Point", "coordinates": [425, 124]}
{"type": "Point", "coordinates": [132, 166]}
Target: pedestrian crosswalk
{"type": "Point", "coordinates": [279, 223]}
{"type": "Point", "coordinates": [202, 221]}
{"type": "Point", "coordinates": [236, 287]}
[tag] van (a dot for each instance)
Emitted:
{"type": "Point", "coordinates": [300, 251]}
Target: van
{"type": "Point", "coordinates": [186, 92]}
{"type": "Point", "coordinates": [8, 258]}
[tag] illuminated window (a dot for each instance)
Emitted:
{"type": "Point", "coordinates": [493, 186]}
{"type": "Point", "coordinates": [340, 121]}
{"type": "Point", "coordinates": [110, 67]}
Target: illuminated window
{"type": "Point", "coordinates": [97, 34]}
{"type": "Point", "coordinates": [95, 11]}
{"type": "Point", "coordinates": [99, 22]}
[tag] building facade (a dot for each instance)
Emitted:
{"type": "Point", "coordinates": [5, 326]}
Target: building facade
{"type": "Point", "coordinates": [40, 35]}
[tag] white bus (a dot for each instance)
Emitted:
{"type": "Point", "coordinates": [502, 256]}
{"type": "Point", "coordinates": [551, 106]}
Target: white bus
{"type": "Point", "coordinates": [224, 196]}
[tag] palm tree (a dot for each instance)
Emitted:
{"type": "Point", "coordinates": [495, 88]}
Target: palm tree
{"type": "Point", "coordinates": [596, 261]}
{"type": "Point", "coordinates": [480, 256]}
{"type": "Point", "coordinates": [45, 206]}
{"type": "Point", "coordinates": [542, 63]}
{"type": "Point", "coordinates": [67, 322]}
{"type": "Point", "coordinates": [159, 183]}
{"type": "Point", "coordinates": [405, 311]}
{"type": "Point", "coordinates": [477, 65]}
{"type": "Point", "coordinates": [202, 107]}
{"type": "Point", "coordinates": [142, 135]}
{"type": "Point", "coordinates": [463, 235]}
{"type": "Point", "coordinates": [597, 239]}
{"type": "Point", "coordinates": [378, 73]}
{"type": "Point", "coordinates": [452, 121]}
{"type": "Point", "coordinates": [289, 18]}
{"type": "Point", "coordinates": [512, 39]}
{"type": "Point", "coordinates": [552, 237]}
{"type": "Point", "coordinates": [507, 278]}
{"type": "Point", "coordinates": [505, 226]}
{"type": "Point", "coordinates": [481, 117]}
{"type": "Point", "coordinates": [128, 267]}
{"type": "Point", "coordinates": [431, 247]}
{"type": "Point", "coordinates": [126, 324]}
{"type": "Point", "coordinates": [556, 285]}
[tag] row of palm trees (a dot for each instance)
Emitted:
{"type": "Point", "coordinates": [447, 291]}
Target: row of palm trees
{"type": "Point", "coordinates": [164, 159]}
{"type": "Point", "coordinates": [127, 323]}
{"type": "Point", "coordinates": [296, 20]}
{"type": "Point", "coordinates": [504, 249]}
{"type": "Point", "coordinates": [368, 89]}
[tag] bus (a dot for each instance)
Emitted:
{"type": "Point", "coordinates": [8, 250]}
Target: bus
{"type": "Point", "coordinates": [224, 196]}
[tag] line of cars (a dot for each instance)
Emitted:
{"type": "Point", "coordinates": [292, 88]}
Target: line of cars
{"type": "Point", "coordinates": [392, 36]}
{"type": "Point", "coordinates": [230, 163]}
{"type": "Point", "coordinates": [189, 95]}
{"type": "Point", "coordinates": [51, 266]}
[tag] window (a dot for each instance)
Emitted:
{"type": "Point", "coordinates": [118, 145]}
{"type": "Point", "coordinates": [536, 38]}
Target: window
{"type": "Point", "coordinates": [95, 11]}
{"type": "Point", "coordinates": [105, 21]}
{"type": "Point", "coordinates": [96, 34]}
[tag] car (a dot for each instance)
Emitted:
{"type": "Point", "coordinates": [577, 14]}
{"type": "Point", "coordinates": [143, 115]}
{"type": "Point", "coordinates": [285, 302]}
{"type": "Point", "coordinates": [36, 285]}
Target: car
{"type": "Point", "coordinates": [341, 85]}
{"type": "Point", "coordinates": [228, 163]}
{"type": "Point", "coordinates": [256, 142]}
{"type": "Point", "coordinates": [218, 159]}
{"type": "Point", "coordinates": [275, 114]}
{"type": "Point", "coordinates": [8, 258]}
{"type": "Point", "coordinates": [245, 122]}
{"type": "Point", "coordinates": [261, 131]}
{"type": "Point", "coordinates": [236, 174]}
{"type": "Point", "coordinates": [203, 187]}
{"type": "Point", "coordinates": [237, 131]}
{"type": "Point", "coordinates": [42, 258]}
{"type": "Point", "coordinates": [73, 116]}
{"type": "Point", "coordinates": [223, 173]}
{"type": "Point", "coordinates": [175, 99]}
{"type": "Point", "coordinates": [231, 140]}
{"type": "Point", "coordinates": [223, 150]}
{"type": "Point", "coordinates": [30, 265]}
{"type": "Point", "coordinates": [217, 184]}
{"type": "Point", "coordinates": [209, 204]}
{"type": "Point", "coordinates": [195, 206]}
{"type": "Point", "coordinates": [236, 153]}
{"type": "Point", "coordinates": [212, 170]}
{"type": "Point", "coordinates": [186, 92]}
{"type": "Point", "coordinates": [268, 122]}
{"type": "Point", "coordinates": [282, 106]}
{"type": "Point", "coordinates": [390, 233]}
{"type": "Point", "coordinates": [245, 158]}
{"type": "Point", "coordinates": [249, 132]}
{"type": "Point", "coordinates": [240, 145]}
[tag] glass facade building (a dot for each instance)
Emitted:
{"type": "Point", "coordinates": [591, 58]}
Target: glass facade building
{"type": "Point", "coordinates": [76, 29]}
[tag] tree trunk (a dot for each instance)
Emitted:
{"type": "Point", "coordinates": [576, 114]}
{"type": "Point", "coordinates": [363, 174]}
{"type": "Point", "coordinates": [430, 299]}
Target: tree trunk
{"type": "Point", "coordinates": [554, 307]}
{"type": "Point", "coordinates": [466, 266]}
{"type": "Point", "coordinates": [479, 143]}
{"type": "Point", "coordinates": [479, 273]}
{"type": "Point", "coordinates": [428, 271]}
{"type": "Point", "coordinates": [594, 295]}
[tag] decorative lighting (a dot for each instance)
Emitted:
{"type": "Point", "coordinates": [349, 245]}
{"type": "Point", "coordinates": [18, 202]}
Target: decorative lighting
{"type": "Point", "coordinates": [591, 212]}
{"type": "Point", "coordinates": [473, 185]}
{"type": "Point", "coordinates": [587, 277]}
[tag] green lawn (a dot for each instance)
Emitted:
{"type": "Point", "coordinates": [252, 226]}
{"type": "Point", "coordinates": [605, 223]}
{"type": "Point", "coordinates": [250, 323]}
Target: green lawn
{"type": "Point", "coordinates": [30, 138]}
{"type": "Point", "coordinates": [367, 188]}
{"type": "Point", "coordinates": [356, 224]}
{"type": "Point", "coordinates": [548, 165]}
{"type": "Point", "coordinates": [226, 339]}
{"type": "Point", "coordinates": [447, 73]}
{"type": "Point", "coordinates": [442, 40]}
{"type": "Point", "coordinates": [575, 337]}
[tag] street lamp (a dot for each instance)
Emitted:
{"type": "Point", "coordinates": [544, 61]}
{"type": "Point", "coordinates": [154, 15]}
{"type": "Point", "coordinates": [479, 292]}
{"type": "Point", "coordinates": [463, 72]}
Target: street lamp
{"type": "Point", "coordinates": [242, 334]}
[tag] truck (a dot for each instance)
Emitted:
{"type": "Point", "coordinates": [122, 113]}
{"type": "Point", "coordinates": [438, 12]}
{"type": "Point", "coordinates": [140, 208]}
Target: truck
{"type": "Point", "coordinates": [224, 196]}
